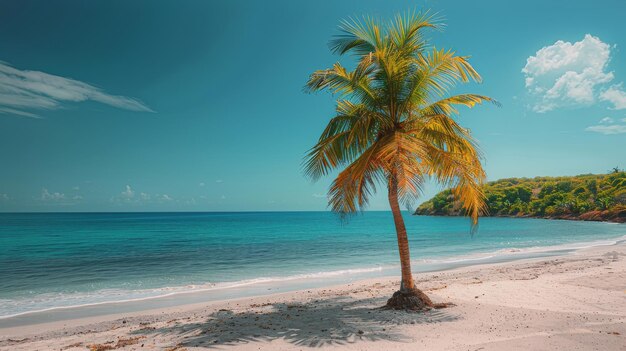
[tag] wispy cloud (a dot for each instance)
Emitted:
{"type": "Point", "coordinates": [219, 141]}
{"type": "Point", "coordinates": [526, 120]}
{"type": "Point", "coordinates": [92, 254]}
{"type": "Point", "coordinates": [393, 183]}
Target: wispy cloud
{"type": "Point", "coordinates": [48, 196]}
{"type": "Point", "coordinates": [128, 193]}
{"type": "Point", "coordinates": [606, 120]}
{"type": "Point", "coordinates": [58, 198]}
{"type": "Point", "coordinates": [11, 111]}
{"type": "Point", "coordinates": [22, 91]}
{"type": "Point", "coordinates": [611, 129]}
{"type": "Point", "coordinates": [132, 197]}
{"type": "Point", "coordinates": [608, 126]}
{"type": "Point", "coordinates": [4, 197]}
{"type": "Point", "coordinates": [570, 75]}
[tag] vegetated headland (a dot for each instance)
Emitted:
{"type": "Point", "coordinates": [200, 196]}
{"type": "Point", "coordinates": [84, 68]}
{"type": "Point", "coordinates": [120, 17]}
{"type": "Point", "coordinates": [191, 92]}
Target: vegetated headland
{"type": "Point", "coordinates": [588, 197]}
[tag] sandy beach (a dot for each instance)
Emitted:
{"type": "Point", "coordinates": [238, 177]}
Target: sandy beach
{"type": "Point", "coordinates": [278, 175]}
{"type": "Point", "coordinates": [573, 302]}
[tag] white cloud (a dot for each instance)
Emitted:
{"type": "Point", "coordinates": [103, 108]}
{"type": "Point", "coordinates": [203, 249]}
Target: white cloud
{"type": "Point", "coordinates": [223, 197]}
{"type": "Point", "coordinates": [11, 111]}
{"type": "Point", "coordinates": [128, 193]}
{"type": "Point", "coordinates": [48, 196]}
{"type": "Point", "coordinates": [201, 184]}
{"type": "Point", "coordinates": [132, 197]}
{"type": "Point", "coordinates": [219, 181]}
{"type": "Point", "coordinates": [4, 197]}
{"type": "Point", "coordinates": [608, 129]}
{"type": "Point", "coordinates": [566, 74]}
{"type": "Point", "coordinates": [608, 126]}
{"type": "Point", "coordinates": [165, 197]}
{"type": "Point", "coordinates": [77, 197]}
{"type": "Point", "coordinates": [23, 90]}
{"type": "Point", "coordinates": [616, 96]}
{"type": "Point", "coordinates": [606, 120]}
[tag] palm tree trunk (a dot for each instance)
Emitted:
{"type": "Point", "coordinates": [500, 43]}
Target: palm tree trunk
{"type": "Point", "coordinates": [407, 283]}
{"type": "Point", "coordinates": [409, 297]}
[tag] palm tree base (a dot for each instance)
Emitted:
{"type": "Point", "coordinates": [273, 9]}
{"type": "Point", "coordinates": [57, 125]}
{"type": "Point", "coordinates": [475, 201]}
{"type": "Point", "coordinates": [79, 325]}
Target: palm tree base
{"type": "Point", "coordinates": [413, 300]}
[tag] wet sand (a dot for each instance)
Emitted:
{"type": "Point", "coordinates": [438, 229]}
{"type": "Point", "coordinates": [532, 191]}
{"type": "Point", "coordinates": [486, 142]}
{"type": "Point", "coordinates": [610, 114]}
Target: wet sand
{"type": "Point", "coordinates": [573, 302]}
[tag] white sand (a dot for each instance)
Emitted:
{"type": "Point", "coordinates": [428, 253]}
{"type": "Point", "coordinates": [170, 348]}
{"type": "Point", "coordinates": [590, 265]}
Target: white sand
{"type": "Point", "coordinates": [575, 302]}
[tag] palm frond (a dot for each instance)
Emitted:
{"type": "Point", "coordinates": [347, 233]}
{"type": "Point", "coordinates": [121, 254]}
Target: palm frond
{"type": "Point", "coordinates": [359, 36]}
{"type": "Point", "coordinates": [446, 106]}
{"type": "Point", "coordinates": [405, 30]}
{"type": "Point", "coordinates": [343, 83]}
{"type": "Point", "coordinates": [394, 118]}
{"type": "Point", "coordinates": [437, 72]}
{"type": "Point", "coordinates": [345, 137]}
{"type": "Point", "coordinates": [352, 188]}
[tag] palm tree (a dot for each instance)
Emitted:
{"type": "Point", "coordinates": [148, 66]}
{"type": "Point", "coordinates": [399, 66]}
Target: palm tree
{"type": "Point", "coordinates": [394, 126]}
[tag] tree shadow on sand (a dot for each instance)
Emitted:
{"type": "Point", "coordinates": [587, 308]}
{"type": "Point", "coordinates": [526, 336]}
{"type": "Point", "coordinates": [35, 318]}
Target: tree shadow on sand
{"type": "Point", "coordinates": [336, 321]}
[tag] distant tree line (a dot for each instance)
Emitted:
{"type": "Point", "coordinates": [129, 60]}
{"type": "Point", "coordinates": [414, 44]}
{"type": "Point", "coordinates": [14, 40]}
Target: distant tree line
{"type": "Point", "coordinates": [596, 197]}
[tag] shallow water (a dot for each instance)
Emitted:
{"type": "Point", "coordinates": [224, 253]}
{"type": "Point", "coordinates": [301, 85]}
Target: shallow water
{"type": "Point", "coordinates": [51, 261]}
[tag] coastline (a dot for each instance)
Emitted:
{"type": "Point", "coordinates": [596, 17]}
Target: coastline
{"type": "Point", "coordinates": [584, 197]}
{"type": "Point", "coordinates": [580, 294]}
{"type": "Point", "coordinates": [585, 217]}
{"type": "Point", "coordinates": [168, 297]}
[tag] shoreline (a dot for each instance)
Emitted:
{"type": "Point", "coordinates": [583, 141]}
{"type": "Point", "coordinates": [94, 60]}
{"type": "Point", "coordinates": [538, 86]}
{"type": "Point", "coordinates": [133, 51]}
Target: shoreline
{"type": "Point", "coordinates": [456, 285]}
{"type": "Point", "coordinates": [579, 218]}
{"type": "Point", "coordinates": [264, 286]}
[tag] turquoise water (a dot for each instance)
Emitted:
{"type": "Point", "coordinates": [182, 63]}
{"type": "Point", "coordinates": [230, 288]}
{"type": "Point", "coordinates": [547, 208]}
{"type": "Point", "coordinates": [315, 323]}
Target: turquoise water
{"type": "Point", "coordinates": [57, 260]}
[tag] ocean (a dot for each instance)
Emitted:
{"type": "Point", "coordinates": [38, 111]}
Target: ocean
{"type": "Point", "coordinates": [59, 261]}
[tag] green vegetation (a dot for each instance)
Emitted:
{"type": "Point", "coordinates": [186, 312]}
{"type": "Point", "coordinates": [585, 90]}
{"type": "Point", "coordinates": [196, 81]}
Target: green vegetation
{"type": "Point", "coordinates": [586, 197]}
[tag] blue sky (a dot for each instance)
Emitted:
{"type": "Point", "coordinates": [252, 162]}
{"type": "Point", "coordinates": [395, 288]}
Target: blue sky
{"type": "Point", "coordinates": [198, 105]}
